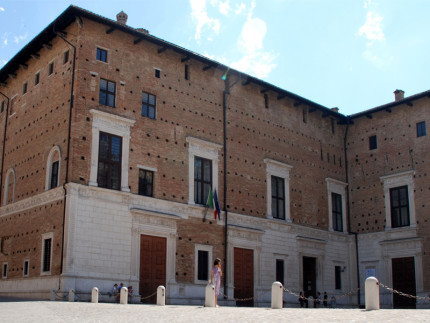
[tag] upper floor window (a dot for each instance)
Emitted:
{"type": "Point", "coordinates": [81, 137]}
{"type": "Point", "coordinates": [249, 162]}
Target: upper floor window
{"type": "Point", "coordinates": [278, 198]}
{"type": "Point", "coordinates": [372, 143]}
{"type": "Point", "coordinates": [336, 194]}
{"type": "Point", "coordinates": [54, 174]}
{"type": "Point", "coordinates": [1, 106]}
{"type": "Point", "coordinates": [51, 68]}
{"type": "Point", "coordinates": [46, 253]}
{"type": "Point", "coordinates": [24, 88]}
{"type": "Point", "coordinates": [36, 78]}
{"type": "Point", "coordinates": [399, 207]}
{"type": "Point", "coordinates": [266, 100]}
{"type": "Point", "coordinates": [53, 168]}
{"type": "Point", "coordinates": [101, 55]}
{"type": "Point", "coordinates": [157, 73]}
{"type": "Point", "coordinates": [9, 192]}
{"type": "Point", "coordinates": [109, 162]}
{"type": "Point", "coordinates": [148, 105]}
{"type": "Point", "coordinates": [66, 57]}
{"type": "Point", "coordinates": [336, 210]}
{"type": "Point", "coordinates": [187, 71]}
{"type": "Point", "coordinates": [146, 180]}
{"type": "Point", "coordinates": [421, 129]}
{"type": "Point", "coordinates": [107, 93]}
{"type": "Point", "coordinates": [202, 179]}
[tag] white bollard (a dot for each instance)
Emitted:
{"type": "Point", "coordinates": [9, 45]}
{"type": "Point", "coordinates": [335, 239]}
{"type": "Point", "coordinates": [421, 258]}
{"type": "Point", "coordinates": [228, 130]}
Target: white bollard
{"type": "Point", "coordinates": [277, 295]}
{"type": "Point", "coordinates": [71, 295]}
{"type": "Point", "coordinates": [371, 292]}
{"type": "Point", "coordinates": [210, 296]}
{"type": "Point", "coordinates": [161, 295]}
{"type": "Point", "coordinates": [123, 297]}
{"type": "Point", "coordinates": [95, 295]}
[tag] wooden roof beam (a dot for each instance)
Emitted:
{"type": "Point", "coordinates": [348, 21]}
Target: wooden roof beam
{"type": "Point", "coordinates": [246, 82]}
{"type": "Point", "coordinates": [184, 59]}
{"type": "Point", "coordinates": [281, 96]}
{"type": "Point", "coordinates": [111, 29]}
{"type": "Point", "coordinates": [137, 40]}
{"type": "Point", "coordinates": [35, 56]}
{"type": "Point", "coordinates": [162, 49]}
{"type": "Point", "coordinates": [47, 46]}
{"type": "Point", "coordinates": [207, 67]}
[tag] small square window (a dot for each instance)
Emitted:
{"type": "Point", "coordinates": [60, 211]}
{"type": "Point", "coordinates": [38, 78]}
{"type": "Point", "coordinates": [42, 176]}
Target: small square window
{"type": "Point", "coordinates": [157, 73]}
{"type": "Point", "coordinates": [421, 129]}
{"type": "Point", "coordinates": [66, 57]}
{"type": "Point", "coordinates": [148, 105]}
{"type": "Point", "coordinates": [51, 68]}
{"type": "Point", "coordinates": [37, 78]}
{"type": "Point", "coordinates": [24, 88]}
{"type": "Point", "coordinates": [372, 143]}
{"type": "Point", "coordinates": [101, 55]}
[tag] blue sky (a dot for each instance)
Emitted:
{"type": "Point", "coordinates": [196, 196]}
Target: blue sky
{"type": "Point", "coordinates": [350, 54]}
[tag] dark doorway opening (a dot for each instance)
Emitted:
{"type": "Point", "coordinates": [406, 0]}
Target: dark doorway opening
{"type": "Point", "coordinates": [404, 281]}
{"type": "Point", "coordinates": [309, 276]}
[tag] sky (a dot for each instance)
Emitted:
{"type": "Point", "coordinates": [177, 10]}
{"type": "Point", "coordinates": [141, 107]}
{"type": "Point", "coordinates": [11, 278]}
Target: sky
{"type": "Point", "coordinates": [350, 54]}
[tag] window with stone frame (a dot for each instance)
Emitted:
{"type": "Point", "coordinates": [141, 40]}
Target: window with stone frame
{"type": "Point", "coordinates": [278, 197]}
{"type": "Point", "coordinates": [202, 263]}
{"type": "Point", "coordinates": [101, 55]}
{"type": "Point", "coordinates": [336, 210]}
{"type": "Point", "coordinates": [399, 200]}
{"type": "Point", "coordinates": [109, 161]}
{"type": "Point", "coordinates": [47, 255]}
{"type": "Point", "coordinates": [148, 105]}
{"type": "Point", "coordinates": [146, 180]}
{"type": "Point", "coordinates": [107, 93]}
{"type": "Point", "coordinates": [54, 174]}
{"type": "Point", "coordinates": [202, 179]}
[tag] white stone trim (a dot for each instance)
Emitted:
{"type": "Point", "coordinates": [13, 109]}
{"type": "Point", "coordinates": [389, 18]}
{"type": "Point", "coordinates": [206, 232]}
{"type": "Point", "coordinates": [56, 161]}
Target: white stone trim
{"type": "Point", "coordinates": [152, 169]}
{"type": "Point", "coordinates": [49, 162]}
{"type": "Point", "coordinates": [45, 236]}
{"type": "Point", "coordinates": [282, 170]}
{"type": "Point", "coordinates": [10, 172]}
{"type": "Point", "coordinates": [204, 149]}
{"type": "Point", "coordinates": [397, 180]}
{"type": "Point", "coordinates": [338, 187]}
{"type": "Point", "coordinates": [197, 248]}
{"type": "Point", "coordinates": [114, 125]}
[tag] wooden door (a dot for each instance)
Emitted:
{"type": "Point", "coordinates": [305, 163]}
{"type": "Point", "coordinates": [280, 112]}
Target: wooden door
{"type": "Point", "coordinates": [244, 275]}
{"type": "Point", "coordinates": [404, 281]}
{"type": "Point", "coordinates": [152, 266]}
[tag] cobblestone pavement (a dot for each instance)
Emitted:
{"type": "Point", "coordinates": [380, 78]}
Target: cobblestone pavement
{"type": "Point", "coordinates": [46, 311]}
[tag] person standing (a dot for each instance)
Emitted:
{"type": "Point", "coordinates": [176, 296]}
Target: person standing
{"type": "Point", "coordinates": [216, 278]}
{"type": "Point", "coordinates": [325, 297]}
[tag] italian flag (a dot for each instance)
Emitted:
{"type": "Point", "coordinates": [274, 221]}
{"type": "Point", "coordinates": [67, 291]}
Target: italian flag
{"type": "Point", "coordinates": [213, 204]}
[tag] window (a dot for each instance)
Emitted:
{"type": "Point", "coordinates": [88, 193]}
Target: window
{"type": "Point", "coordinates": [109, 162]}
{"type": "Point", "coordinates": [37, 78]}
{"type": "Point", "coordinates": [280, 271]}
{"type": "Point", "coordinates": [146, 179]}
{"type": "Point", "coordinates": [101, 55]}
{"type": "Point", "coordinates": [399, 207]}
{"type": "Point", "coordinates": [2, 107]}
{"type": "Point", "coordinates": [421, 129]}
{"type": "Point", "coordinates": [54, 174]}
{"type": "Point", "coordinates": [337, 277]}
{"type": "Point", "coordinates": [25, 271]}
{"type": "Point", "coordinates": [157, 73]}
{"type": "Point", "coordinates": [4, 271]}
{"type": "Point", "coordinates": [187, 71]}
{"type": "Point", "coordinates": [51, 68]}
{"type": "Point", "coordinates": [148, 105]}
{"type": "Point", "coordinates": [266, 100]}
{"type": "Point", "coordinates": [278, 198]}
{"type": "Point", "coordinates": [203, 265]}
{"type": "Point", "coordinates": [9, 192]}
{"type": "Point", "coordinates": [107, 93]}
{"type": "Point", "coordinates": [46, 257]}
{"type": "Point", "coordinates": [372, 143]}
{"type": "Point", "coordinates": [66, 57]}
{"type": "Point", "coordinates": [24, 88]}
{"type": "Point", "coordinates": [336, 209]}
{"type": "Point", "coordinates": [202, 179]}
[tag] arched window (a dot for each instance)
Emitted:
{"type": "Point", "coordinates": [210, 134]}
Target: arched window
{"type": "Point", "coordinates": [9, 192]}
{"type": "Point", "coordinates": [53, 168]}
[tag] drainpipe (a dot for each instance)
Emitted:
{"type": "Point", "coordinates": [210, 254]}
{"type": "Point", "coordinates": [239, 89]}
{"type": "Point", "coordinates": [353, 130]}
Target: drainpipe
{"type": "Point", "coordinates": [348, 122]}
{"type": "Point", "coordinates": [4, 143]}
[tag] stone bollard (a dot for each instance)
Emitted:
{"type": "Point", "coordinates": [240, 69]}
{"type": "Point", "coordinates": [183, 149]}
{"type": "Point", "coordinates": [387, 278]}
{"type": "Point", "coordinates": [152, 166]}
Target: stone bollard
{"type": "Point", "coordinates": [123, 297]}
{"type": "Point", "coordinates": [71, 295]}
{"type": "Point", "coordinates": [277, 295]}
{"type": "Point", "coordinates": [95, 295]}
{"type": "Point", "coordinates": [372, 294]}
{"type": "Point", "coordinates": [161, 295]}
{"type": "Point", "coordinates": [210, 296]}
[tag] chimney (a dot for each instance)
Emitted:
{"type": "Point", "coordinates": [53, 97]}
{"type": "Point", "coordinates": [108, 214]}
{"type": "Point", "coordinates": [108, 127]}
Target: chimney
{"type": "Point", "coordinates": [121, 18]}
{"type": "Point", "coordinates": [335, 109]}
{"type": "Point", "coordinates": [399, 95]}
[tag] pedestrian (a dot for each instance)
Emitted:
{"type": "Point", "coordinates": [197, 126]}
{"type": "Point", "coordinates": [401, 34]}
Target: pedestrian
{"type": "Point", "coordinates": [325, 297]}
{"type": "Point", "coordinates": [317, 300]}
{"type": "Point", "coordinates": [114, 290]}
{"type": "Point", "coordinates": [216, 278]}
{"type": "Point", "coordinates": [301, 299]}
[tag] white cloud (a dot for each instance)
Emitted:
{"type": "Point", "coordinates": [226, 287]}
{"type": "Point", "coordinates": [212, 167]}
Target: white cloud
{"type": "Point", "coordinates": [372, 28]}
{"type": "Point", "coordinates": [240, 8]}
{"type": "Point", "coordinates": [18, 39]}
{"type": "Point", "coordinates": [200, 14]}
{"type": "Point", "coordinates": [252, 35]}
{"type": "Point", "coordinates": [223, 6]}
{"type": "Point", "coordinates": [367, 3]}
{"type": "Point", "coordinates": [5, 41]}
{"type": "Point", "coordinates": [259, 64]}
{"type": "Point", "coordinates": [2, 62]}
{"type": "Point", "coordinates": [1, 9]}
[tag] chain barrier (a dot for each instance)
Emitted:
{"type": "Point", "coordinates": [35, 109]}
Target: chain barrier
{"type": "Point", "coordinates": [245, 299]}
{"type": "Point", "coordinates": [313, 299]}
{"type": "Point", "coordinates": [146, 297]}
{"type": "Point", "coordinates": [60, 295]}
{"type": "Point", "coordinates": [404, 294]}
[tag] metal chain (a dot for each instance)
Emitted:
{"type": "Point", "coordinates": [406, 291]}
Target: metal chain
{"type": "Point", "coordinates": [245, 299]}
{"type": "Point", "coordinates": [59, 296]}
{"type": "Point", "coordinates": [403, 294]}
{"type": "Point", "coordinates": [146, 297]}
{"type": "Point", "coordinates": [313, 299]}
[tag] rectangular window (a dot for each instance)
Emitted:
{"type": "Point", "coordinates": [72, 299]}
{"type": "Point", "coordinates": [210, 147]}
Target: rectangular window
{"type": "Point", "coordinates": [399, 200]}
{"type": "Point", "coordinates": [421, 129]}
{"type": "Point", "coordinates": [12, 106]}
{"type": "Point", "coordinates": [148, 105]}
{"type": "Point", "coordinates": [187, 72]}
{"type": "Point", "coordinates": [372, 143]}
{"type": "Point", "coordinates": [109, 167]}
{"type": "Point", "coordinates": [157, 73]}
{"type": "Point", "coordinates": [203, 265]}
{"type": "Point", "coordinates": [46, 265]}
{"type": "Point", "coordinates": [107, 93]}
{"type": "Point", "coordinates": [36, 78]}
{"type": "Point", "coordinates": [336, 207]}
{"type": "Point", "coordinates": [146, 179]}
{"type": "Point", "coordinates": [66, 57]}
{"type": "Point", "coordinates": [2, 107]}
{"type": "Point", "coordinates": [24, 88]}
{"type": "Point", "coordinates": [278, 198]}
{"type": "Point", "coordinates": [337, 277]}
{"type": "Point", "coordinates": [51, 68]}
{"type": "Point", "coordinates": [26, 268]}
{"type": "Point", "coordinates": [4, 271]}
{"type": "Point", "coordinates": [54, 174]}
{"type": "Point", "coordinates": [202, 179]}
{"type": "Point", "coordinates": [101, 55]}
{"type": "Point", "coordinates": [266, 101]}
{"type": "Point", "coordinates": [280, 271]}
